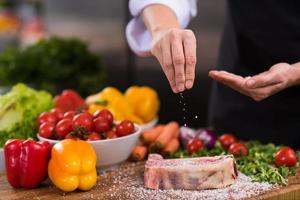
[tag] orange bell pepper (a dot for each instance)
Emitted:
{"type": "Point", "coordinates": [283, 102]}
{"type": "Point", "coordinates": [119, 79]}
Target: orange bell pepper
{"type": "Point", "coordinates": [73, 165]}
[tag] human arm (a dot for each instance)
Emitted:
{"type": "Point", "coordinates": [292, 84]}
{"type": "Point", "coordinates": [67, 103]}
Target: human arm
{"type": "Point", "coordinates": [151, 30]}
{"type": "Point", "coordinates": [279, 77]}
{"type": "Point", "coordinates": [174, 48]}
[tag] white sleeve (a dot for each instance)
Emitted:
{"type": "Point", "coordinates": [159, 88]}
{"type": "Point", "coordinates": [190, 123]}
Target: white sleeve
{"type": "Point", "coordinates": [138, 37]}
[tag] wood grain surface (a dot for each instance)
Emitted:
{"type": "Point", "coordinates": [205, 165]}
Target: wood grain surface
{"type": "Point", "coordinates": [115, 183]}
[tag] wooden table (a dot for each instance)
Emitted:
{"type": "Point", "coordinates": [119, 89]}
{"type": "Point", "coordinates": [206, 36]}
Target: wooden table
{"type": "Point", "coordinates": [115, 183]}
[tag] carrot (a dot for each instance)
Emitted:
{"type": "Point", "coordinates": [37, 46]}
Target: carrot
{"type": "Point", "coordinates": [139, 153]}
{"type": "Point", "coordinates": [170, 131]}
{"type": "Point", "coordinates": [150, 135]}
{"type": "Point", "coordinates": [171, 147]}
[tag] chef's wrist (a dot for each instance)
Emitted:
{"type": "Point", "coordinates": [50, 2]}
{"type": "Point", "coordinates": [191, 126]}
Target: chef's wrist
{"type": "Point", "coordinates": [159, 18]}
{"type": "Point", "coordinates": [159, 30]}
{"type": "Point", "coordinates": [295, 74]}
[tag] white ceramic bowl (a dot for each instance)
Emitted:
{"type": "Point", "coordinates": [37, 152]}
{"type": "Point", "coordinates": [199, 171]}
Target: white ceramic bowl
{"type": "Point", "coordinates": [2, 161]}
{"type": "Point", "coordinates": [150, 124]}
{"type": "Point", "coordinates": [110, 151]}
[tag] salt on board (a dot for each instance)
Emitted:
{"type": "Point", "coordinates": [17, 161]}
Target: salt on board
{"type": "Point", "coordinates": [129, 185]}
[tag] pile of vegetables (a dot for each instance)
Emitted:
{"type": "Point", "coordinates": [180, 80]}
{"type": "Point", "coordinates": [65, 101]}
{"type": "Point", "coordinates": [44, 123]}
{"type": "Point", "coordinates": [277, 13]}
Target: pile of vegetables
{"type": "Point", "coordinates": [139, 104]}
{"type": "Point", "coordinates": [261, 162]}
{"type": "Point", "coordinates": [161, 139]}
{"type": "Point", "coordinates": [19, 110]}
{"type": "Point", "coordinates": [70, 164]}
{"type": "Point", "coordinates": [82, 125]}
{"type": "Point", "coordinates": [53, 64]}
{"type": "Point", "coordinates": [70, 119]}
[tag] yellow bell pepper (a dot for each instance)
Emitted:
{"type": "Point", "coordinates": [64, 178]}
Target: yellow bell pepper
{"type": "Point", "coordinates": [110, 94]}
{"type": "Point", "coordinates": [73, 165]}
{"type": "Point", "coordinates": [95, 107]}
{"type": "Point", "coordinates": [144, 101]}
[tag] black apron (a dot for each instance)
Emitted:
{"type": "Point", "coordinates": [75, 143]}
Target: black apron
{"type": "Point", "coordinates": [259, 34]}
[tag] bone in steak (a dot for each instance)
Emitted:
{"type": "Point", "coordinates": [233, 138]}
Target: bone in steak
{"type": "Point", "coordinates": [189, 173]}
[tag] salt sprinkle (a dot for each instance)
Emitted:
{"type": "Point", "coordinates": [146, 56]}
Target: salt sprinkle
{"type": "Point", "coordinates": [242, 188]}
{"type": "Point", "coordinates": [129, 185]}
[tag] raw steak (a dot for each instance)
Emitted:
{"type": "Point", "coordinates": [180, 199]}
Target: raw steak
{"type": "Point", "coordinates": [189, 173]}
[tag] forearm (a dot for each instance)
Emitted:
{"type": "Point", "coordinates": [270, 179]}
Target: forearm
{"type": "Point", "coordinates": [174, 47]}
{"type": "Point", "coordinates": [296, 74]}
{"type": "Point", "coordinates": [158, 17]}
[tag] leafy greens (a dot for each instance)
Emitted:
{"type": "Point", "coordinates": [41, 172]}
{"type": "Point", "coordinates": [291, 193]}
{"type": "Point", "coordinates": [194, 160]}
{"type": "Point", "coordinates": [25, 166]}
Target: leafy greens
{"type": "Point", "coordinates": [19, 110]}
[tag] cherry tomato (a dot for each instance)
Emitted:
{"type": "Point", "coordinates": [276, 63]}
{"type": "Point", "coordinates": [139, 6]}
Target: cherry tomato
{"type": "Point", "coordinates": [87, 113]}
{"type": "Point", "coordinates": [63, 128]}
{"type": "Point", "coordinates": [238, 149]}
{"type": "Point", "coordinates": [70, 114]}
{"type": "Point", "coordinates": [73, 136]}
{"type": "Point", "coordinates": [47, 117]}
{"type": "Point", "coordinates": [58, 113]}
{"type": "Point", "coordinates": [111, 133]}
{"type": "Point", "coordinates": [227, 140]}
{"type": "Point", "coordinates": [101, 124]}
{"type": "Point", "coordinates": [46, 130]}
{"type": "Point", "coordinates": [104, 113]}
{"type": "Point", "coordinates": [195, 145]}
{"type": "Point", "coordinates": [84, 121]}
{"type": "Point", "coordinates": [126, 127]}
{"type": "Point", "coordinates": [286, 156]}
{"type": "Point", "coordinates": [93, 136]}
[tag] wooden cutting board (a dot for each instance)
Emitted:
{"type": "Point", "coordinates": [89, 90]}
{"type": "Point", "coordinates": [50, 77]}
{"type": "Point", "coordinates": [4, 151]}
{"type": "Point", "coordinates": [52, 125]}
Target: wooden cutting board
{"type": "Point", "coordinates": [117, 183]}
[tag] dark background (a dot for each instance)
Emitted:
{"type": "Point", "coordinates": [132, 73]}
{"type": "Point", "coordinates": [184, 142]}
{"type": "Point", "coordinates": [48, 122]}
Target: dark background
{"type": "Point", "coordinates": [102, 24]}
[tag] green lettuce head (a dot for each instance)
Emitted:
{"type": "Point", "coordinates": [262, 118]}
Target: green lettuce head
{"type": "Point", "coordinates": [19, 110]}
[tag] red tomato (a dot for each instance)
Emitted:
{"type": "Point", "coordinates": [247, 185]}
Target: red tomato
{"type": "Point", "coordinates": [126, 127]}
{"type": "Point", "coordinates": [87, 113]}
{"type": "Point", "coordinates": [104, 113]}
{"type": "Point", "coordinates": [46, 130]}
{"type": "Point", "coordinates": [75, 98]}
{"type": "Point", "coordinates": [70, 114]}
{"type": "Point", "coordinates": [58, 113]}
{"type": "Point", "coordinates": [63, 103]}
{"type": "Point", "coordinates": [238, 149]}
{"type": "Point", "coordinates": [83, 120]}
{"type": "Point", "coordinates": [195, 145]}
{"type": "Point", "coordinates": [47, 117]}
{"type": "Point", "coordinates": [227, 140]}
{"type": "Point", "coordinates": [63, 128]}
{"type": "Point", "coordinates": [111, 134]}
{"type": "Point", "coordinates": [73, 136]}
{"type": "Point", "coordinates": [286, 156]}
{"type": "Point", "coordinates": [101, 124]}
{"type": "Point", "coordinates": [93, 136]}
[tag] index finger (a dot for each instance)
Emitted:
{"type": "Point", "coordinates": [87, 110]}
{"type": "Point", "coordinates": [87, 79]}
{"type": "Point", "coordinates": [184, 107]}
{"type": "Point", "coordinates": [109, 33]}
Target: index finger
{"type": "Point", "coordinates": [189, 44]}
{"type": "Point", "coordinates": [178, 62]}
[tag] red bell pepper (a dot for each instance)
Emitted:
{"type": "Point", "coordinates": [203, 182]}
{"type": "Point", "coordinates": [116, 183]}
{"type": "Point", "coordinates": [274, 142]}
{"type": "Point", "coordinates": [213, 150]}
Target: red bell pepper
{"type": "Point", "coordinates": [26, 162]}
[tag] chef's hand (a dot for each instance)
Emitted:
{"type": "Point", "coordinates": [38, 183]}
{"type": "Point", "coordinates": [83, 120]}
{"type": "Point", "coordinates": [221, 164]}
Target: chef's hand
{"type": "Point", "coordinates": [261, 86]}
{"type": "Point", "coordinates": [175, 49]}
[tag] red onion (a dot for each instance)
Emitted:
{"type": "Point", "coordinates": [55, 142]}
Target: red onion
{"type": "Point", "coordinates": [208, 137]}
{"type": "Point", "coordinates": [186, 134]}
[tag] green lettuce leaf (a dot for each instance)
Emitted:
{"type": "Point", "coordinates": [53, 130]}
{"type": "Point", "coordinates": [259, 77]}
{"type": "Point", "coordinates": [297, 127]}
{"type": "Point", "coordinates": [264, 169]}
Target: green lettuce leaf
{"type": "Point", "coordinates": [19, 110]}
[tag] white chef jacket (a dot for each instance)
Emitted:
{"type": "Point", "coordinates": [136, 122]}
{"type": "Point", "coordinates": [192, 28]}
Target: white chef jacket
{"type": "Point", "coordinates": [138, 37]}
